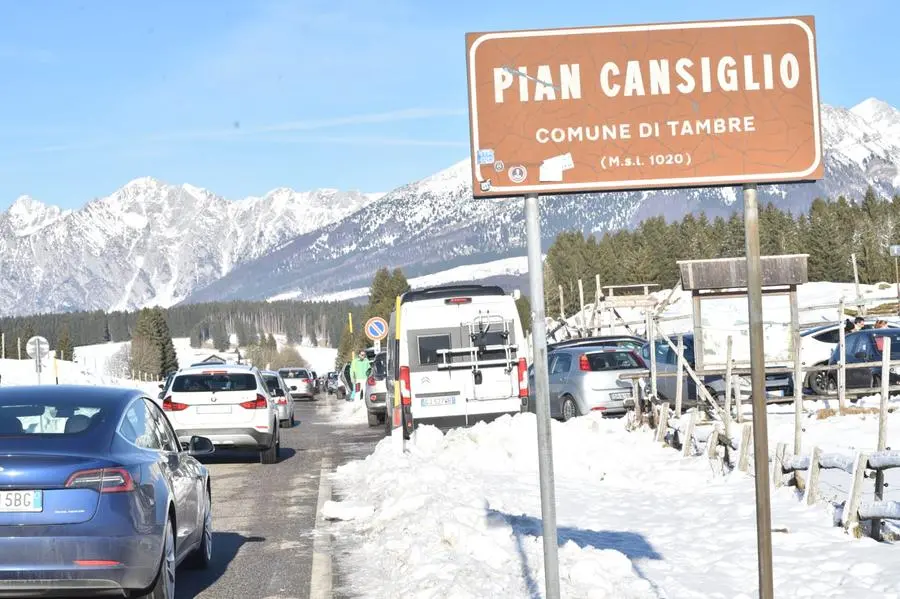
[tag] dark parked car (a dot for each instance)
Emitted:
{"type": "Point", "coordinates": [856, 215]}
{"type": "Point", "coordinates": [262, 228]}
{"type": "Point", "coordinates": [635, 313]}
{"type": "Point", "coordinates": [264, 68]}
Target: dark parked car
{"type": "Point", "coordinates": [92, 482]}
{"type": "Point", "coordinates": [626, 341]}
{"type": "Point", "coordinates": [865, 346]}
{"type": "Point", "coordinates": [667, 361]}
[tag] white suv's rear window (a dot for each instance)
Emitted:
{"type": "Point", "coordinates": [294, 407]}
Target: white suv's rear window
{"type": "Point", "coordinates": [198, 383]}
{"type": "Point", "coordinates": [298, 373]}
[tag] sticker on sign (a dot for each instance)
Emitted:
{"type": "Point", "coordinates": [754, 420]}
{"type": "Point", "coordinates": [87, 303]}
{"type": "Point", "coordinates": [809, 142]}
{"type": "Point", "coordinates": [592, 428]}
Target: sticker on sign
{"type": "Point", "coordinates": [646, 106]}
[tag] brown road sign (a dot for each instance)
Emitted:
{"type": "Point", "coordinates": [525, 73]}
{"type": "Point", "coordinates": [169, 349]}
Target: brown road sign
{"type": "Point", "coordinates": [644, 106]}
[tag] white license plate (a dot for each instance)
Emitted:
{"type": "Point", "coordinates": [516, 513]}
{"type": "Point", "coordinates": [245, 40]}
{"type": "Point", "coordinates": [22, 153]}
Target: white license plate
{"type": "Point", "coordinates": [620, 396]}
{"type": "Point", "coordinates": [214, 409]}
{"type": "Point", "coordinates": [21, 501]}
{"type": "Point", "coordinates": [431, 402]}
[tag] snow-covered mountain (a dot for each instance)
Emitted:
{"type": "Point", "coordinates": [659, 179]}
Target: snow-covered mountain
{"type": "Point", "coordinates": [435, 224]}
{"type": "Point", "coordinates": [147, 243]}
{"type": "Point", "coordinates": [155, 243]}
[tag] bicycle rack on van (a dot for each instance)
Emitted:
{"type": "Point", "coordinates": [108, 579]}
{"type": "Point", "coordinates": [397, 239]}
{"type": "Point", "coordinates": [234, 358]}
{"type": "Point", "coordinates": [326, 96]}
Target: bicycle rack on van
{"type": "Point", "coordinates": [478, 328]}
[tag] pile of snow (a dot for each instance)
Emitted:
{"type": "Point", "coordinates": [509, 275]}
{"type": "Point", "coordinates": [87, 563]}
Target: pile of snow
{"type": "Point", "coordinates": [459, 516]}
{"type": "Point", "coordinates": [349, 412]}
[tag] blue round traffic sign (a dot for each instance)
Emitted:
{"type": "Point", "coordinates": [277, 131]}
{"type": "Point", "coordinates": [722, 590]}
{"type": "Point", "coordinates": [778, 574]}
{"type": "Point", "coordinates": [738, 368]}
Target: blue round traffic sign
{"type": "Point", "coordinates": [376, 329]}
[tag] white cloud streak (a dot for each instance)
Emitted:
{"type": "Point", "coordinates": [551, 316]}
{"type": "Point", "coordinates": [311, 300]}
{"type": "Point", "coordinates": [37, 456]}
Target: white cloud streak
{"type": "Point", "coordinates": [261, 133]}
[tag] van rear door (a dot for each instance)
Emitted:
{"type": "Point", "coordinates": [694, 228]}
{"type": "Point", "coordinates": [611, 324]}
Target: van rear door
{"type": "Point", "coordinates": [469, 368]}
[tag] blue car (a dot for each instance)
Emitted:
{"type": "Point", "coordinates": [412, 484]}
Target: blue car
{"type": "Point", "coordinates": [97, 498]}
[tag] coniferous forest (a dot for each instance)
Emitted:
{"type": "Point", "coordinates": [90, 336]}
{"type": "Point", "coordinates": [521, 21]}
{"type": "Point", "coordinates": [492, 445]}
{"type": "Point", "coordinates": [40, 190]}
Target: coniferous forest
{"type": "Point", "coordinates": [829, 232]}
{"type": "Point", "coordinates": [299, 321]}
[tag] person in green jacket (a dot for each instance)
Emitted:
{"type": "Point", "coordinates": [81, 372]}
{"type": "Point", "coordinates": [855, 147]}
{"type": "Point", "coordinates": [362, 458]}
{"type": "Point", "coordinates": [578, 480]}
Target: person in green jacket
{"type": "Point", "coordinates": [359, 372]}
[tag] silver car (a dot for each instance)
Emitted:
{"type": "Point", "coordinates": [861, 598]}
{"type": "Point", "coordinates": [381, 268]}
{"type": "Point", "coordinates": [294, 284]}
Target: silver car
{"type": "Point", "coordinates": [300, 382]}
{"type": "Point", "coordinates": [375, 392]}
{"type": "Point", "coordinates": [586, 379]}
{"type": "Point", "coordinates": [284, 402]}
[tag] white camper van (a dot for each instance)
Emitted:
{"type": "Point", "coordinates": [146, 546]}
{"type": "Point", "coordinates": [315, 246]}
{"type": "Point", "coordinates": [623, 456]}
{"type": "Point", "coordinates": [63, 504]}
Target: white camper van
{"type": "Point", "coordinates": [459, 357]}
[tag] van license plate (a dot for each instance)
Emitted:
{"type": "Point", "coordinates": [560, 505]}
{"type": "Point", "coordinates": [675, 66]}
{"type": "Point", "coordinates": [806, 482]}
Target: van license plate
{"type": "Point", "coordinates": [21, 501]}
{"type": "Point", "coordinates": [431, 402]}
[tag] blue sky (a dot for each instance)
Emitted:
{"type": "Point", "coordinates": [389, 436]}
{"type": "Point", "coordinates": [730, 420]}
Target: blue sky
{"type": "Point", "coordinates": [242, 96]}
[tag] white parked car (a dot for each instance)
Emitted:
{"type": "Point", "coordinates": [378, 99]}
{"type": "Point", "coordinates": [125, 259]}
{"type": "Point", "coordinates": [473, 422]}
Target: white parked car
{"type": "Point", "coordinates": [227, 403]}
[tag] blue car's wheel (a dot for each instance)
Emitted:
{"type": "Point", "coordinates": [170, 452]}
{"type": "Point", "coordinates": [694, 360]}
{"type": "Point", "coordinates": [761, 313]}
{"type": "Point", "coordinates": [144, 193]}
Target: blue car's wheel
{"type": "Point", "coordinates": [201, 558]}
{"type": "Point", "coordinates": [164, 585]}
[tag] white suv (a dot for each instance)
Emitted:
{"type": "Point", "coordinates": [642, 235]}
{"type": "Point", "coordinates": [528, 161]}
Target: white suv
{"type": "Point", "coordinates": [227, 403]}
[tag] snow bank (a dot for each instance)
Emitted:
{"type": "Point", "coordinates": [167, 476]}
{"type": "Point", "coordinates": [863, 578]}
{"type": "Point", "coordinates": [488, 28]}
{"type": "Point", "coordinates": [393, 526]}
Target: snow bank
{"type": "Point", "coordinates": [349, 412]}
{"type": "Point", "coordinates": [459, 516]}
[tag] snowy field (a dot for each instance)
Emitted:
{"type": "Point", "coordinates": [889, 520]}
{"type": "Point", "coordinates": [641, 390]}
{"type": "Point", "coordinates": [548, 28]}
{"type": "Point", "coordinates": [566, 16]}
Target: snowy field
{"type": "Point", "coordinates": [468, 273]}
{"type": "Point", "coordinates": [459, 516]}
{"type": "Point", "coordinates": [100, 360]}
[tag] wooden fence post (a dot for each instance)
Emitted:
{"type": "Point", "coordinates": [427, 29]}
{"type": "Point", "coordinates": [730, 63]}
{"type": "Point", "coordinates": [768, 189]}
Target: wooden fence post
{"type": "Point", "coordinates": [882, 426]}
{"type": "Point", "coordinates": [679, 379]}
{"type": "Point", "coordinates": [850, 517]}
{"type": "Point", "coordinates": [812, 478]}
{"type": "Point", "coordinates": [651, 337]}
{"type": "Point", "coordinates": [712, 448]}
{"type": "Point", "coordinates": [687, 446]}
{"type": "Point", "coordinates": [744, 460]}
{"type": "Point", "coordinates": [842, 371]}
{"type": "Point", "coordinates": [778, 465]}
{"type": "Point", "coordinates": [663, 424]}
{"type": "Point", "coordinates": [798, 393]}
{"type": "Point", "coordinates": [729, 391]}
{"type": "Point", "coordinates": [581, 319]}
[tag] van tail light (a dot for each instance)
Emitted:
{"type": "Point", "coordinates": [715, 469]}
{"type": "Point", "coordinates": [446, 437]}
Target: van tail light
{"type": "Point", "coordinates": [102, 480]}
{"type": "Point", "coordinates": [371, 381]}
{"type": "Point", "coordinates": [523, 377]}
{"type": "Point", "coordinates": [173, 406]}
{"type": "Point", "coordinates": [405, 388]}
{"type": "Point", "coordinates": [259, 403]}
{"type": "Point", "coordinates": [583, 363]}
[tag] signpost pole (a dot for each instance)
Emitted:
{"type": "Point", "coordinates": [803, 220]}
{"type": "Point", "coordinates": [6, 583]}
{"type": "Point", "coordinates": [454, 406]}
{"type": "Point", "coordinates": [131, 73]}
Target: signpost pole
{"type": "Point", "coordinates": [542, 394]}
{"type": "Point", "coordinates": [758, 382]}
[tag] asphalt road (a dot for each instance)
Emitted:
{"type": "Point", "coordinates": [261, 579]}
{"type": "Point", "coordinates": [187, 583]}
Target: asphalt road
{"type": "Point", "coordinates": [264, 516]}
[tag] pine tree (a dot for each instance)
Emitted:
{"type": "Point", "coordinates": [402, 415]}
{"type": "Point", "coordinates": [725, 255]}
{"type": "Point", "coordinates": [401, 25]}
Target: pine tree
{"type": "Point", "coordinates": [292, 333]}
{"type": "Point", "coordinates": [523, 304]}
{"type": "Point", "coordinates": [220, 337]}
{"type": "Point", "coordinates": [27, 333]}
{"type": "Point", "coordinates": [345, 348]}
{"type": "Point", "coordinates": [106, 335]}
{"type": "Point", "coordinates": [196, 337]}
{"type": "Point", "coordinates": [163, 337]}
{"type": "Point", "coordinates": [65, 350]}
{"type": "Point", "coordinates": [271, 343]}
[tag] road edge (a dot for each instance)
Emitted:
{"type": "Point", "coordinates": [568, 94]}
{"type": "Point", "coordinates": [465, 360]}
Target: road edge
{"type": "Point", "coordinates": [321, 576]}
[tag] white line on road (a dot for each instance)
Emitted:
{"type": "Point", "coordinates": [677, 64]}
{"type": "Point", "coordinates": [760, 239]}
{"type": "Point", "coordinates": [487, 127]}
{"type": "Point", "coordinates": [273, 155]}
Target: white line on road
{"type": "Point", "coordinates": [320, 576]}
